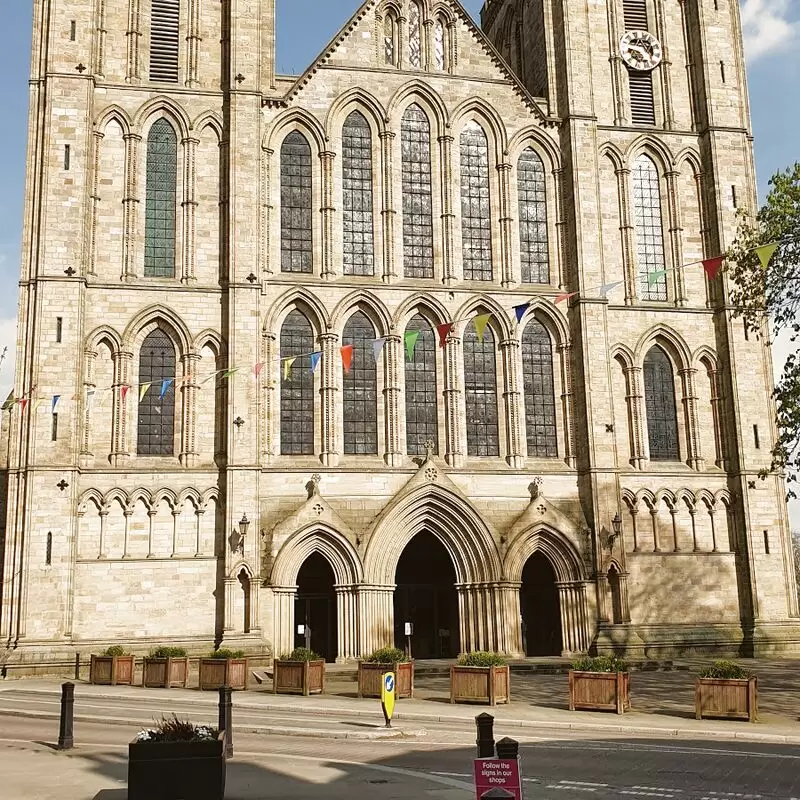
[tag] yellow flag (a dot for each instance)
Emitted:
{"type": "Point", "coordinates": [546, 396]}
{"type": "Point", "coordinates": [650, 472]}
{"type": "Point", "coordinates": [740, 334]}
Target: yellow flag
{"type": "Point", "coordinates": [481, 321]}
{"type": "Point", "coordinates": [765, 253]}
{"type": "Point", "coordinates": [143, 390]}
{"type": "Point", "coordinates": [287, 367]}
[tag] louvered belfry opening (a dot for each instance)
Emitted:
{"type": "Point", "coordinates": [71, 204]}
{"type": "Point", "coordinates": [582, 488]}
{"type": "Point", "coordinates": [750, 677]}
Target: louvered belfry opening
{"type": "Point", "coordinates": [635, 12]}
{"type": "Point", "coordinates": [164, 38]}
{"type": "Point", "coordinates": [643, 111]}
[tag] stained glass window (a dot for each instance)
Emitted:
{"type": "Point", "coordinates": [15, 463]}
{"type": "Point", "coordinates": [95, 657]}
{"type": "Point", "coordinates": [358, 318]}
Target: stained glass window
{"type": "Point", "coordinates": [296, 239]}
{"type": "Point", "coordinates": [439, 45]}
{"type": "Point", "coordinates": [155, 434]}
{"type": "Point", "coordinates": [414, 35]}
{"type": "Point", "coordinates": [534, 253]}
{"type": "Point", "coordinates": [421, 413]}
{"type": "Point", "coordinates": [476, 224]}
{"type": "Point", "coordinates": [649, 230]}
{"type": "Point", "coordinates": [480, 393]}
{"type": "Point", "coordinates": [540, 404]}
{"type": "Point", "coordinates": [389, 36]}
{"type": "Point", "coordinates": [357, 196]}
{"type": "Point", "coordinates": [360, 389]}
{"type": "Point", "coordinates": [659, 395]}
{"type": "Point", "coordinates": [417, 195]}
{"type": "Point", "coordinates": [297, 391]}
{"type": "Point", "coordinates": [160, 201]}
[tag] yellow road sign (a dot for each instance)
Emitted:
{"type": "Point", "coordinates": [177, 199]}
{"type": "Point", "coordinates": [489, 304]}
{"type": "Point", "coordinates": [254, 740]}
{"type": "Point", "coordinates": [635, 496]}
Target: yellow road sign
{"type": "Point", "coordinates": [387, 696]}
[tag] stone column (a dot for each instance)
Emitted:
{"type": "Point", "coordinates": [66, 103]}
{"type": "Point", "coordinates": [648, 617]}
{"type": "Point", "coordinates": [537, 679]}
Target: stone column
{"type": "Point", "coordinates": [347, 623]}
{"type": "Point", "coordinates": [664, 70]}
{"type": "Point", "coordinates": [634, 526]}
{"type": "Point", "coordinates": [283, 619]}
{"type": "Point", "coordinates": [198, 513]}
{"type": "Point", "coordinates": [230, 597]}
{"type": "Point", "coordinates": [188, 388]}
{"type": "Point", "coordinates": [151, 515]}
{"type": "Point", "coordinates": [635, 401]}
{"type": "Point", "coordinates": [328, 213]}
{"type": "Point", "coordinates": [89, 385]}
{"type": "Point", "coordinates": [509, 633]}
{"type": "Point", "coordinates": [134, 34]}
{"type": "Point", "coordinates": [717, 410]}
{"type": "Point", "coordinates": [265, 254]}
{"type": "Point", "coordinates": [130, 204]}
{"type": "Point", "coordinates": [189, 207]}
{"type": "Point", "coordinates": [692, 516]}
{"type": "Point", "coordinates": [388, 213]}
{"type": "Point", "coordinates": [694, 459]}
{"type": "Point", "coordinates": [330, 390]}
{"type": "Point", "coordinates": [572, 601]}
{"type": "Point", "coordinates": [654, 521]}
{"type": "Point", "coordinates": [101, 554]}
{"type": "Point", "coordinates": [515, 414]}
{"type": "Point", "coordinates": [505, 220]}
{"type": "Point", "coordinates": [119, 408]}
{"type": "Point", "coordinates": [102, 32]}
{"type": "Point", "coordinates": [375, 617]}
{"type": "Point", "coordinates": [561, 231]}
{"type": "Point", "coordinates": [450, 272]}
{"type": "Point", "coordinates": [454, 403]}
{"type": "Point", "coordinates": [97, 143]}
{"type": "Point", "coordinates": [626, 232]}
{"type": "Point", "coordinates": [567, 402]}
{"type": "Point", "coordinates": [269, 389]}
{"type": "Point", "coordinates": [393, 355]}
{"type": "Point", "coordinates": [712, 514]}
{"type": "Point", "coordinates": [676, 235]}
{"type": "Point", "coordinates": [127, 513]}
{"type": "Point", "coordinates": [673, 512]}
{"type": "Point", "coordinates": [193, 40]}
{"type": "Point", "coordinates": [176, 513]}
{"type": "Point", "coordinates": [478, 617]}
{"type": "Point", "coordinates": [602, 598]}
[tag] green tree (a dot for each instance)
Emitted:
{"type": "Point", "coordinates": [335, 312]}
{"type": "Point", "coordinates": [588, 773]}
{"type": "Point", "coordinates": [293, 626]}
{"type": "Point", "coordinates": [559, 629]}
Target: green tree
{"type": "Point", "coordinates": [769, 301]}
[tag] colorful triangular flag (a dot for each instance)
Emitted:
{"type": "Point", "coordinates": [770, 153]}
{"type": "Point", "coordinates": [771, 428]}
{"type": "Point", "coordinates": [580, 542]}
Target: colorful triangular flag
{"type": "Point", "coordinates": [481, 321]}
{"type": "Point", "coordinates": [607, 287]}
{"type": "Point", "coordinates": [444, 330]}
{"type": "Point", "coordinates": [765, 253]}
{"type": "Point", "coordinates": [143, 387]}
{"type": "Point", "coordinates": [563, 296]}
{"type": "Point", "coordinates": [712, 266]}
{"type": "Point", "coordinates": [229, 372]}
{"type": "Point", "coordinates": [410, 339]}
{"type": "Point", "coordinates": [287, 367]}
{"type": "Point", "coordinates": [377, 346]}
{"type": "Point", "coordinates": [347, 356]}
{"type": "Point", "coordinates": [56, 398]}
{"type": "Point", "coordinates": [258, 369]}
{"type": "Point", "coordinates": [124, 391]}
{"type": "Point", "coordinates": [165, 384]}
{"type": "Point", "coordinates": [90, 396]}
{"type": "Point", "coordinates": [38, 404]}
{"type": "Point", "coordinates": [23, 401]}
{"type": "Point", "coordinates": [9, 401]}
{"type": "Point", "coordinates": [315, 357]}
{"type": "Point", "coordinates": [520, 310]}
{"type": "Point", "coordinates": [655, 276]}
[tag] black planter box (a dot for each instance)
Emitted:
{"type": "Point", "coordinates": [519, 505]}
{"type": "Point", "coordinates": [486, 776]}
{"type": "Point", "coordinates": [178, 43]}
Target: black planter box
{"type": "Point", "coordinates": [177, 770]}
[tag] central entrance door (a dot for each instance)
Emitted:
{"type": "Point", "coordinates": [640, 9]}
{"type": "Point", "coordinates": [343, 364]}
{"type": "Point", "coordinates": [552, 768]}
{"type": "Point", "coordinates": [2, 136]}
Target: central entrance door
{"type": "Point", "coordinates": [315, 607]}
{"type": "Point", "coordinates": [540, 608]}
{"type": "Point", "coordinates": [426, 596]}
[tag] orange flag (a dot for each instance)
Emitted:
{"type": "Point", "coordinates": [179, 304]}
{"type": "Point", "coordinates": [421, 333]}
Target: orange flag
{"type": "Point", "coordinates": [443, 331]}
{"type": "Point", "coordinates": [712, 266]}
{"type": "Point", "coordinates": [347, 357]}
{"type": "Point", "coordinates": [564, 296]}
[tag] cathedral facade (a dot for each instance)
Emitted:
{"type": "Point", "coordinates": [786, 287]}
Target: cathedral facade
{"type": "Point", "coordinates": [419, 336]}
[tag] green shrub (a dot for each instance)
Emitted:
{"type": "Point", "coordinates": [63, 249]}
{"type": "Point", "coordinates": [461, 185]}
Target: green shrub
{"type": "Point", "coordinates": [599, 664]}
{"type": "Point", "coordinates": [480, 658]}
{"type": "Point", "coordinates": [114, 650]}
{"type": "Point", "coordinates": [302, 654]}
{"type": "Point", "coordinates": [224, 652]}
{"type": "Point", "coordinates": [387, 655]}
{"type": "Point", "coordinates": [173, 729]}
{"type": "Point", "coordinates": [167, 652]}
{"type": "Point", "coordinates": [724, 669]}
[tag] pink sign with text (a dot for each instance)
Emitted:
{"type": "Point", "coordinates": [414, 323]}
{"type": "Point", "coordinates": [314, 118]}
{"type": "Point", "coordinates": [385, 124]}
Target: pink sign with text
{"type": "Point", "coordinates": [497, 773]}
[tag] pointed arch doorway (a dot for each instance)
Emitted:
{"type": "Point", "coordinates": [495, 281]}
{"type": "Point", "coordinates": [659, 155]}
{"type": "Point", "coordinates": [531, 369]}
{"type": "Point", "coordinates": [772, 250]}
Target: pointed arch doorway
{"type": "Point", "coordinates": [540, 608]}
{"type": "Point", "coordinates": [315, 607]}
{"type": "Point", "coordinates": [425, 595]}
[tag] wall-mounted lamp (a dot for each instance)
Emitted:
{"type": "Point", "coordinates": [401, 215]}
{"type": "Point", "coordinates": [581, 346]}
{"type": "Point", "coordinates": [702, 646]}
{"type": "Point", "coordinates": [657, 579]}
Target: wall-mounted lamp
{"type": "Point", "coordinates": [244, 524]}
{"type": "Point", "coordinates": [616, 524]}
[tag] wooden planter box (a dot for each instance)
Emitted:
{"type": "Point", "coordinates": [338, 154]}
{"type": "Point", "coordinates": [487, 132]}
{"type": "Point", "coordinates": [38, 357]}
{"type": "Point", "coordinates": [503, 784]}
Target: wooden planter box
{"type": "Point", "coordinates": [164, 673]}
{"type": "Point", "coordinates": [177, 770]}
{"type": "Point", "coordinates": [298, 677]}
{"type": "Point", "coordinates": [218, 672]}
{"type": "Point", "coordinates": [726, 698]}
{"type": "Point", "coordinates": [488, 685]}
{"type": "Point", "coordinates": [599, 691]}
{"type": "Point", "coordinates": [369, 678]}
{"type": "Point", "coordinates": [111, 670]}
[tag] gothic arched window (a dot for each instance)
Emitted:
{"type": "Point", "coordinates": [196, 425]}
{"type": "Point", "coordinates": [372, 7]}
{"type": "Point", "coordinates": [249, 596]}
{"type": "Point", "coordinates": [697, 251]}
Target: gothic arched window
{"type": "Point", "coordinates": [390, 39]}
{"type": "Point", "coordinates": [480, 393]}
{"type": "Point", "coordinates": [421, 412]}
{"type": "Point", "coordinates": [439, 46]}
{"type": "Point", "coordinates": [649, 230]}
{"type": "Point", "coordinates": [357, 252]}
{"type": "Point", "coordinates": [296, 238]}
{"type": "Point", "coordinates": [161, 195]}
{"type": "Point", "coordinates": [164, 40]}
{"type": "Point", "coordinates": [417, 194]}
{"type": "Point", "coordinates": [659, 396]}
{"type": "Point", "coordinates": [360, 388]}
{"type": "Point", "coordinates": [297, 390]}
{"type": "Point", "coordinates": [415, 35]}
{"type": "Point", "coordinates": [540, 404]}
{"type": "Point", "coordinates": [155, 433]}
{"type": "Point", "coordinates": [476, 223]}
{"type": "Point", "coordinates": [534, 252]}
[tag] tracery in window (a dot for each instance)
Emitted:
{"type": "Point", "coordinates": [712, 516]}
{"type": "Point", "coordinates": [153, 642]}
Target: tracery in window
{"type": "Point", "coordinates": [480, 393]}
{"type": "Point", "coordinates": [649, 230]}
{"type": "Point", "coordinates": [533, 246]}
{"type": "Point", "coordinates": [357, 251]}
{"type": "Point", "coordinates": [296, 226]}
{"type": "Point", "coordinates": [540, 404]}
{"type": "Point", "coordinates": [659, 395]}
{"type": "Point", "coordinates": [417, 195]}
{"type": "Point", "coordinates": [297, 387]}
{"type": "Point", "coordinates": [476, 224]}
{"type": "Point", "coordinates": [439, 45]}
{"type": "Point", "coordinates": [155, 430]}
{"type": "Point", "coordinates": [360, 389]}
{"type": "Point", "coordinates": [420, 386]}
{"type": "Point", "coordinates": [415, 35]}
{"type": "Point", "coordinates": [160, 200]}
{"type": "Point", "coordinates": [390, 39]}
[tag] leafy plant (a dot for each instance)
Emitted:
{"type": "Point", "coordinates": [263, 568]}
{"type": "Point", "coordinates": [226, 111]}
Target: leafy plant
{"type": "Point", "coordinates": [387, 655]}
{"type": "Point", "coordinates": [167, 652]}
{"type": "Point", "coordinates": [174, 729]}
{"type": "Point", "coordinates": [724, 669]}
{"type": "Point", "coordinates": [481, 658]}
{"type": "Point", "coordinates": [599, 664]}
{"type": "Point", "coordinates": [115, 650]}
{"type": "Point", "coordinates": [302, 654]}
{"type": "Point", "coordinates": [226, 653]}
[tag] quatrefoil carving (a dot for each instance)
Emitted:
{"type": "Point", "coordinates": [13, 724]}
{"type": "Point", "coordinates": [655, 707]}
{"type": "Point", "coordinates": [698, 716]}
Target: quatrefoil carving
{"type": "Point", "coordinates": [431, 474]}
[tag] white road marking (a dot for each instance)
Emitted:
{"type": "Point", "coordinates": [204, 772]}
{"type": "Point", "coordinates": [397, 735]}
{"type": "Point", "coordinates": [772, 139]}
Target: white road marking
{"type": "Point", "coordinates": [571, 788]}
{"type": "Point", "coordinates": [585, 783]}
{"type": "Point", "coordinates": [669, 749]}
{"type": "Point", "coordinates": [644, 794]}
{"type": "Point", "coordinates": [657, 788]}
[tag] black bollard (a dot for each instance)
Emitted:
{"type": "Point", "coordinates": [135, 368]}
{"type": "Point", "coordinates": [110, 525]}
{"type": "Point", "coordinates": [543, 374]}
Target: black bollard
{"type": "Point", "coordinates": [65, 738]}
{"type": "Point", "coordinates": [485, 740]}
{"type": "Point", "coordinates": [77, 666]}
{"type": "Point", "coordinates": [507, 748]}
{"type": "Point", "coordinates": [497, 794]}
{"type": "Point", "coordinates": [225, 723]}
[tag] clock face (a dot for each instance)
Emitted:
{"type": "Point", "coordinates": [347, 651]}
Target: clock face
{"type": "Point", "coordinates": [640, 50]}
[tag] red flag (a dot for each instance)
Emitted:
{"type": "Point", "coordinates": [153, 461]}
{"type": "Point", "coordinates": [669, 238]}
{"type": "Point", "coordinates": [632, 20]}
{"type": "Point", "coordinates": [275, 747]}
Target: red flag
{"type": "Point", "coordinates": [347, 357]}
{"type": "Point", "coordinates": [124, 391]}
{"type": "Point", "coordinates": [258, 368]}
{"type": "Point", "coordinates": [23, 401]}
{"type": "Point", "coordinates": [564, 296]}
{"type": "Point", "coordinates": [443, 331]}
{"type": "Point", "coordinates": [712, 266]}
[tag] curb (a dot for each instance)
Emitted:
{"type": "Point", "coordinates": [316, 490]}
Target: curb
{"type": "Point", "coordinates": [744, 735]}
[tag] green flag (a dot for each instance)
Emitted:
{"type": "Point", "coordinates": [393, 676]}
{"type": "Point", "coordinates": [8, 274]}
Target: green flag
{"type": "Point", "coordinates": [411, 342]}
{"type": "Point", "coordinates": [655, 277]}
{"type": "Point", "coordinates": [765, 253]}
